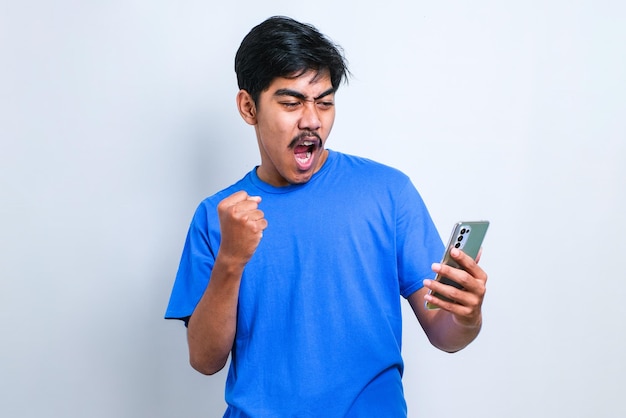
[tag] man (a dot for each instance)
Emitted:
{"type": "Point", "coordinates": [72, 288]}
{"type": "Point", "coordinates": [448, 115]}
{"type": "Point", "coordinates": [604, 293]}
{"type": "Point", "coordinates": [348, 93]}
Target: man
{"type": "Point", "coordinates": [296, 270]}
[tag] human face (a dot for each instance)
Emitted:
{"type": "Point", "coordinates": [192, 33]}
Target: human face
{"type": "Point", "coordinates": [294, 117]}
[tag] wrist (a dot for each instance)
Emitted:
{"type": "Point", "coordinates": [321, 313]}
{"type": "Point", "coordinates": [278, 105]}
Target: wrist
{"type": "Point", "coordinates": [230, 262]}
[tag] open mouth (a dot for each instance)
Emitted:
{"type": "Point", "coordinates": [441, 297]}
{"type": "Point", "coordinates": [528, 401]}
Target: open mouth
{"type": "Point", "coordinates": [303, 150]}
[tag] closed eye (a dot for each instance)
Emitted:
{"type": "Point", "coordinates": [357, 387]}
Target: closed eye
{"type": "Point", "coordinates": [325, 105]}
{"type": "Point", "coordinates": [290, 105]}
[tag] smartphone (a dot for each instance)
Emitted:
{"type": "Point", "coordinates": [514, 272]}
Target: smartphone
{"type": "Point", "coordinates": [467, 237]}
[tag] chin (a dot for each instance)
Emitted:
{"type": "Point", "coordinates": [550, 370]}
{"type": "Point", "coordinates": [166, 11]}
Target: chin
{"type": "Point", "coordinates": [301, 178]}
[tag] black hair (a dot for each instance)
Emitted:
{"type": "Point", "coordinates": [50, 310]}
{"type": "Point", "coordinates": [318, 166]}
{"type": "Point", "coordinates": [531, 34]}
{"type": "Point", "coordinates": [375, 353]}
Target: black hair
{"type": "Point", "coordinates": [283, 47]}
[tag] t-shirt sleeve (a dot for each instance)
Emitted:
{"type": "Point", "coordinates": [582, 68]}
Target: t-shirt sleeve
{"type": "Point", "coordinates": [195, 267]}
{"type": "Point", "coordinates": [419, 243]}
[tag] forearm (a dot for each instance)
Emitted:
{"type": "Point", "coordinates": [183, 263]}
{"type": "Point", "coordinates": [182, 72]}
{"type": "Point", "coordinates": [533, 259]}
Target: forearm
{"type": "Point", "coordinates": [441, 327]}
{"type": "Point", "coordinates": [212, 326]}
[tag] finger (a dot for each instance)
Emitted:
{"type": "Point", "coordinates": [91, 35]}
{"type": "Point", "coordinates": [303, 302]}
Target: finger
{"type": "Point", "coordinates": [445, 290]}
{"type": "Point", "coordinates": [455, 306]}
{"type": "Point", "coordinates": [232, 200]}
{"type": "Point", "coordinates": [452, 299]}
{"type": "Point", "coordinates": [472, 288]}
{"type": "Point", "coordinates": [257, 216]}
{"type": "Point", "coordinates": [244, 208]}
{"type": "Point", "coordinates": [458, 275]}
{"type": "Point", "coordinates": [463, 259]}
{"type": "Point", "coordinates": [468, 264]}
{"type": "Point", "coordinates": [237, 197]}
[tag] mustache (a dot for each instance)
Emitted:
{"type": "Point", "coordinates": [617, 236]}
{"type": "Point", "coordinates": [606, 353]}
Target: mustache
{"type": "Point", "coordinates": [305, 135]}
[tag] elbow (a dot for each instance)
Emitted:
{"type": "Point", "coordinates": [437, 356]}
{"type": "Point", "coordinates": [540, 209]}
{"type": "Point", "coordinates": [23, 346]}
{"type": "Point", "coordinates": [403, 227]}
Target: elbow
{"type": "Point", "coordinates": [450, 345]}
{"type": "Point", "coordinates": [206, 367]}
{"type": "Point", "coordinates": [445, 346]}
{"type": "Point", "coordinates": [204, 359]}
{"type": "Point", "coordinates": [449, 350]}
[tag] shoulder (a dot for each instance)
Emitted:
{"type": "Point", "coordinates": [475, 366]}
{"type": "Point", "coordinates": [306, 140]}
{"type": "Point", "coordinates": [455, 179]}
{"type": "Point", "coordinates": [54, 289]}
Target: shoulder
{"type": "Point", "coordinates": [367, 165]}
{"type": "Point", "coordinates": [366, 170]}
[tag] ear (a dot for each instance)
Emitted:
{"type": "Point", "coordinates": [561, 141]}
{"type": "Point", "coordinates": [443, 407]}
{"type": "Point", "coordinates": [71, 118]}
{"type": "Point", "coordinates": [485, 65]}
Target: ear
{"type": "Point", "coordinates": [247, 107]}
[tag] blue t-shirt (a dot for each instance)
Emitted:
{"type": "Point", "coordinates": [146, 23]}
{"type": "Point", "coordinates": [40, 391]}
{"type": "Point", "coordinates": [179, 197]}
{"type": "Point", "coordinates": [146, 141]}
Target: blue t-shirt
{"type": "Point", "coordinates": [319, 327]}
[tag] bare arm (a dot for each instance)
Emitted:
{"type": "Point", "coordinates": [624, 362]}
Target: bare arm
{"type": "Point", "coordinates": [213, 324]}
{"type": "Point", "coordinates": [457, 323]}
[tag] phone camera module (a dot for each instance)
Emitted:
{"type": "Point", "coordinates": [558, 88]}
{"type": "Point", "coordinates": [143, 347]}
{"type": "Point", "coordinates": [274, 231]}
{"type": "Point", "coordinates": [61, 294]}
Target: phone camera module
{"type": "Point", "coordinates": [460, 241]}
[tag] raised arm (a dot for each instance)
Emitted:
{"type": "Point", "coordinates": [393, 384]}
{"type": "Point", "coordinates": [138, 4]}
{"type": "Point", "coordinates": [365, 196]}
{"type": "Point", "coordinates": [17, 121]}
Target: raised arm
{"type": "Point", "coordinates": [456, 324]}
{"type": "Point", "coordinates": [213, 324]}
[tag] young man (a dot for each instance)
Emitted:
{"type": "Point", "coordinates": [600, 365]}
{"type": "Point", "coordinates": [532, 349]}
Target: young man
{"type": "Point", "coordinates": [296, 271]}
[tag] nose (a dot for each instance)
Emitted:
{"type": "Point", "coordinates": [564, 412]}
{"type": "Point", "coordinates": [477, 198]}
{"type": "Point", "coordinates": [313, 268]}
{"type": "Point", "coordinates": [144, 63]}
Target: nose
{"type": "Point", "coordinates": [310, 118]}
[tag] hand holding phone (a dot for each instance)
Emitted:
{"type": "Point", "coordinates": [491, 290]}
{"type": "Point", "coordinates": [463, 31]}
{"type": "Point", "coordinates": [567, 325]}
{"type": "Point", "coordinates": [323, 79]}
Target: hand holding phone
{"type": "Point", "coordinates": [468, 237]}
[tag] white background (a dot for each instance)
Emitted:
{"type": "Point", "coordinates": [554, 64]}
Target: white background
{"type": "Point", "coordinates": [118, 117]}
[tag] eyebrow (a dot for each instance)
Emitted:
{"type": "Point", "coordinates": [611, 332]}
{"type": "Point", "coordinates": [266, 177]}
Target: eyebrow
{"type": "Point", "coordinates": [298, 95]}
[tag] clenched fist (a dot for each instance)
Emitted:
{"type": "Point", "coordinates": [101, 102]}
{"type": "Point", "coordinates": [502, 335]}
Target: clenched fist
{"type": "Point", "coordinates": [241, 224]}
